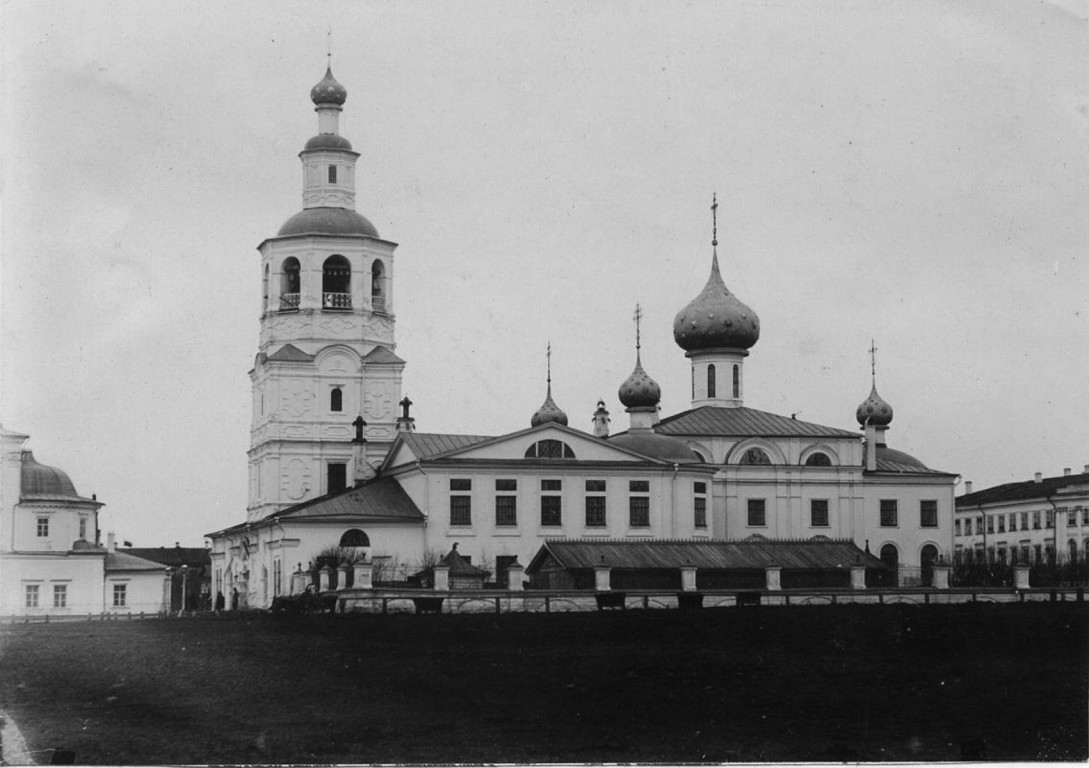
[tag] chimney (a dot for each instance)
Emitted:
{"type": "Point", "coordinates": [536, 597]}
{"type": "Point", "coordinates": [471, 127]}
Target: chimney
{"type": "Point", "coordinates": [967, 486]}
{"type": "Point", "coordinates": [1066, 471]}
{"type": "Point", "coordinates": [601, 420]}
{"type": "Point", "coordinates": [111, 544]}
{"type": "Point", "coordinates": [871, 447]}
{"type": "Point", "coordinates": [1039, 477]}
{"type": "Point", "coordinates": [1086, 469]}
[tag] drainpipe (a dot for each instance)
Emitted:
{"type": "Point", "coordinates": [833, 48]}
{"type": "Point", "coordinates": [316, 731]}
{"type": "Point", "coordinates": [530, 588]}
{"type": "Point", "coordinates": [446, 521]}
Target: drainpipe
{"type": "Point", "coordinates": [1054, 536]}
{"type": "Point", "coordinates": [673, 515]}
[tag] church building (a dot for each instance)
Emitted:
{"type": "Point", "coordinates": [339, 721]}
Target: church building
{"type": "Point", "coordinates": [335, 469]}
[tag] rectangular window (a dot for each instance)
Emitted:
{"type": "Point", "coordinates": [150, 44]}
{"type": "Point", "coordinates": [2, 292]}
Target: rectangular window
{"type": "Point", "coordinates": [990, 523]}
{"type": "Point", "coordinates": [979, 525]}
{"type": "Point", "coordinates": [1085, 516]}
{"type": "Point", "coordinates": [928, 513]}
{"type": "Point", "coordinates": [551, 514]}
{"type": "Point", "coordinates": [1072, 518]}
{"type": "Point", "coordinates": [43, 527]}
{"type": "Point", "coordinates": [551, 485]}
{"type": "Point", "coordinates": [595, 510]}
{"type": "Point", "coordinates": [1035, 521]}
{"type": "Point", "coordinates": [461, 510]}
{"type": "Point", "coordinates": [700, 487]}
{"type": "Point", "coordinates": [701, 512]}
{"type": "Point", "coordinates": [889, 513]}
{"type": "Point", "coordinates": [1001, 523]}
{"type": "Point", "coordinates": [337, 476]}
{"type": "Point", "coordinates": [595, 486]}
{"type": "Point", "coordinates": [639, 511]}
{"type": "Point", "coordinates": [83, 528]}
{"type": "Point", "coordinates": [1013, 521]}
{"type": "Point", "coordinates": [757, 516]}
{"type": "Point", "coordinates": [506, 510]}
{"type": "Point", "coordinates": [60, 595]}
{"type": "Point", "coordinates": [120, 595]}
{"type": "Point", "coordinates": [1039, 552]}
{"type": "Point", "coordinates": [956, 527]}
{"type": "Point", "coordinates": [32, 591]}
{"type": "Point", "coordinates": [818, 513]}
{"type": "Point", "coordinates": [639, 486]}
{"type": "Point", "coordinates": [277, 576]}
{"type": "Point", "coordinates": [332, 174]}
{"type": "Point", "coordinates": [506, 485]}
{"type": "Point", "coordinates": [1024, 521]}
{"type": "Point", "coordinates": [1025, 554]}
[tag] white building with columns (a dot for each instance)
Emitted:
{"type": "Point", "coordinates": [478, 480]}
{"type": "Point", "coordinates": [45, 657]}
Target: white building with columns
{"type": "Point", "coordinates": [333, 465]}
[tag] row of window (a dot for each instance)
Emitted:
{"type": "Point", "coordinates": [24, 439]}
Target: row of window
{"type": "Point", "coordinates": [42, 527]}
{"type": "Point", "coordinates": [1000, 523]}
{"type": "Point", "coordinates": [336, 283]}
{"type": "Point", "coordinates": [818, 513]}
{"type": "Point", "coordinates": [60, 595]}
{"type": "Point", "coordinates": [551, 503]}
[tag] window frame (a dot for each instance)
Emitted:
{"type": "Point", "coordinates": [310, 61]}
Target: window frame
{"type": "Point", "coordinates": [699, 512]}
{"type": "Point", "coordinates": [813, 514]}
{"type": "Point", "coordinates": [928, 513]}
{"type": "Point", "coordinates": [32, 596]}
{"type": "Point", "coordinates": [889, 511]}
{"type": "Point", "coordinates": [60, 595]}
{"type": "Point", "coordinates": [42, 527]}
{"type": "Point", "coordinates": [757, 513]}
{"type": "Point", "coordinates": [506, 510]}
{"type": "Point", "coordinates": [120, 590]}
{"type": "Point", "coordinates": [639, 511]}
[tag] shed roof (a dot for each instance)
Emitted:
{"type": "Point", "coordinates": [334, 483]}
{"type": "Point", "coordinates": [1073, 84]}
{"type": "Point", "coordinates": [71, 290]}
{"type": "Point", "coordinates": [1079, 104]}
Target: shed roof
{"type": "Point", "coordinates": [175, 557]}
{"type": "Point", "coordinates": [711, 555]}
{"type": "Point", "coordinates": [743, 422]}
{"type": "Point", "coordinates": [120, 561]}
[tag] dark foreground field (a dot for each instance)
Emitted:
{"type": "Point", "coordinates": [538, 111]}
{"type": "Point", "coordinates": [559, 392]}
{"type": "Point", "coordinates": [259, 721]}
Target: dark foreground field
{"type": "Point", "coordinates": [739, 684]}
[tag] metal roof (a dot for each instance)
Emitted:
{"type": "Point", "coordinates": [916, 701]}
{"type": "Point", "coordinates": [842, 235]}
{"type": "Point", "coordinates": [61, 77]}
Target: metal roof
{"type": "Point", "coordinates": [891, 460]}
{"type": "Point", "coordinates": [290, 353]}
{"type": "Point", "coordinates": [119, 561]}
{"type": "Point", "coordinates": [426, 445]}
{"type": "Point", "coordinates": [338, 222]}
{"type": "Point", "coordinates": [174, 557]}
{"type": "Point", "coordinates": [1022, 491]}
{"type": "Point", "coordinates": [711, 555]}
{"type": "Point", "coordinates": [380, 355]}
{"type": "Point", "coordinates": [382, 499]}
{"type": "Point", "coordinates": [743, 422]}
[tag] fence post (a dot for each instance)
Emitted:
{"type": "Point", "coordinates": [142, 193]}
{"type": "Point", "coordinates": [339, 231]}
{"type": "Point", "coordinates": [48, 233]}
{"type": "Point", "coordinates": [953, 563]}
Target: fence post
{"type": "Point", "coordinates": [441, 578]}
{"type": "Point", "coordinates": [1020, 577]}
{"type": "Point", "coordinates": [772, 575]}
{"type": "Point", "coordinates": [858, 577]}
{"type": "Point", "coordinates": [514, 576]}
{"type": "Point", "coordinates": [601, 578]}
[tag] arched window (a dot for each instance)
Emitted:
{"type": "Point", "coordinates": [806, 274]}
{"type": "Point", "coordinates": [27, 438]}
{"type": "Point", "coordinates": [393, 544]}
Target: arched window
{"type": "Point", "coordinates": [549, 449]}
{"type": "Point", "coordinates": [336, 399]}
{"type": "Point", "coordinates": [755, 456]}
{"type": "Point", "coordinates": [1073, 552]}
{"type": "Point", "coordinates": [711, 380]}
{"type": "Point", "coordinates": [336, 283]}
{"type": "Point", "coordinates": [289, 284]}
{"type": "Point", "coordinates": [378, 286]}
{"type": "Point", "coordinates": [737, 381]}
{"type": "Point", "coordinates": [818, 459]}
{"type": "Point", "coordinates": [890, 556]}
{"type": "Point", "coordinates": [927, 557]}
{"type": "Point", "coordinates": [354, 538]}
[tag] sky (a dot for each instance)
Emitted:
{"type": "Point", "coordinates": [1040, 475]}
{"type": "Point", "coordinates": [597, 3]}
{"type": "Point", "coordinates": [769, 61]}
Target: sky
{"type": "Point", "coordinates": [912, 172]}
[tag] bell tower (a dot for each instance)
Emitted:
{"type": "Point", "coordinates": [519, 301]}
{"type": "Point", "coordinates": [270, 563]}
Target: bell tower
{"type": "Point", "coordinates": [326, 350]}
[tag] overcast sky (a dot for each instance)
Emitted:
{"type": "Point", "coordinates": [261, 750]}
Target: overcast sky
{"type": "Point", "coordinates": [915, 172]}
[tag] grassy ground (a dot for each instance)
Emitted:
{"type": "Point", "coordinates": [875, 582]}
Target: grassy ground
{"type": "Point", "coordinates": [742, 684]}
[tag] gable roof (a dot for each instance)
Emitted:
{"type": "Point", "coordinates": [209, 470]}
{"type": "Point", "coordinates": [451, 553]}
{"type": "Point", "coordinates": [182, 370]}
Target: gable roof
{"type": "Point", "coordinates": [289, 353]}
{"type": "Point", "coordinates": [120, 561]}
{"type": "Point", "coordinates": [710, 555]}
{"type": "Point", "coordinates": [174, 557]}
{"type": "Point", "coordinates": [429, 445]}
{"type": "Point", "coordinates": [1023, 491]}
{"type": "Point", "coordinates": [711, 421]}
{"type": "Point", "coordinates": [382, 499]}
{"type": "Point", "coordinates": [381, 355]}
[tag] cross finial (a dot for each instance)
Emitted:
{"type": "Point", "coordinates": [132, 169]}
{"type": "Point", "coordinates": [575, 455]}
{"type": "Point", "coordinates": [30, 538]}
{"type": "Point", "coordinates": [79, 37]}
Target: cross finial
{"type": "Point", "coordinates": [873, 360]}
{"type": "Point", "coordinates": [637, 317]}
{"type": "Point", "coordinates": [329, 46]}
{"type": "Point", "coordinates": [548, 355]}
{"type": "Point", "coordinates": [714, 220]}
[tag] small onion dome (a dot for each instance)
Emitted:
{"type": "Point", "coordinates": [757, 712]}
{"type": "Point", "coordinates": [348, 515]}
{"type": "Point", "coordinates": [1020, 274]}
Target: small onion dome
{"type": "Point", "coordinates": [327, 141]}
{"type": "Point", "coordinates": [328, 91]}
{"type": "Point", "coordinates": [716, 318]}
{"type": "Point", "coordinates": [874, 409]}
{"type": "Point", "coordinates": [549, 412]}
{"type": "Point", "coordinates": [640, 390]}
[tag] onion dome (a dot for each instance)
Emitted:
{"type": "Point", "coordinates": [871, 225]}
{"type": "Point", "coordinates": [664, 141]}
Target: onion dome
{"type": "Point", "coordinates": [639, 390]}
{"type": "Point", "coordinates": [327, 141]}
{"type": "Point", "coordinates": [39, 481]}
{"type": "Point", "coordinates": [549, 412]}
{"type": "Point", "coordinates": [715, 319]}
{"type": "Point", "coordinates": [874, 410]}
{"type": "Point", "coordinates": [328, 91]}
{"type": "Point", "coordinates": [327, 221]}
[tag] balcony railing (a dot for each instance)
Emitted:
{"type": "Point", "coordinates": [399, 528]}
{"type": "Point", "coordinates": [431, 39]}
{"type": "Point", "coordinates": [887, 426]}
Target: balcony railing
{"type": "Point", "coordinates": [336, 301]}
{"type": "Point", "coordinates": [289, 301]}
{"type": "Point", "coordinates": [378, 303]}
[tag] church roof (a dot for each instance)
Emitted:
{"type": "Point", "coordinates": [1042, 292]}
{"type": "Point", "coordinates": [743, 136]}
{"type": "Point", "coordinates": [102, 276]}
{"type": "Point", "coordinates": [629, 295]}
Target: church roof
{"type": "Point", "coordinates": [338, 222]}
{"type": "Point", "coordinates": [38, 481]}
{"type": "Point", "coordinates": [381, 499]}
{"type": "Point", "coordinates": [891, 460]}
{"type": "Point", "coordinates": [743, 422]}
{"type": "Point", "coordinates": [656, 446]}
{"type": "Point", "coordinates": [289, 353]}
{"type": "Point", "coordinates": [1023, 491]}
{"type": "Point", "coordinates": [380, 355]}
{"type": "Point", "coordinates": [712, 555]}
{"type": "Point", "coordinates": [427, 445]}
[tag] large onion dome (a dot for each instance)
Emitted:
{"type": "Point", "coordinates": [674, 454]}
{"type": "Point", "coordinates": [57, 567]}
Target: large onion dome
{"type": "Point", "coordinates": [328, 91]}
{"type": "Point", "coordinates": [874, 409]}
{"type": "Point", "coordinates": [549, 412]}
{"type": "Point", "coordinates": [715, 319]}
{"type": "Point", "coordinates": [639, 390]}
